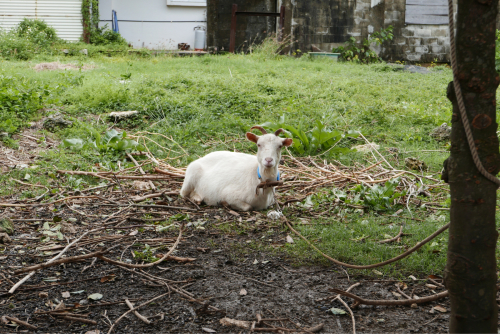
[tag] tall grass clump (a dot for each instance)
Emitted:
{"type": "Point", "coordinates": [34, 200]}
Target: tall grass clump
{"type": "Point", "coordinates": [270, 48]}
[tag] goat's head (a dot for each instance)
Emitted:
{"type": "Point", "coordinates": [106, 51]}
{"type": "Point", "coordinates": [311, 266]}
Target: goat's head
{"type": "Point", "coordinates": [268, 146]}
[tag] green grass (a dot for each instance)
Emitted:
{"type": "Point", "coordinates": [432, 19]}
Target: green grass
{"type": "Point", "coordinates": [208, 103]}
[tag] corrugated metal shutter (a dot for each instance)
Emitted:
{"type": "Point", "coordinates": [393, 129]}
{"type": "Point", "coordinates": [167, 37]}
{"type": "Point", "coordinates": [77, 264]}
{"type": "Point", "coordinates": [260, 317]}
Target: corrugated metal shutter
{"type": "Point", "coordinates": [426, 12]}
{"type": "Point", "coordinates": [64, 15]}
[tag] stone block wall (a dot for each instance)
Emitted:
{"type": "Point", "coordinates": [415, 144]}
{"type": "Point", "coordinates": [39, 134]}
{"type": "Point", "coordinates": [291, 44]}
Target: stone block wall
{"type": "Point", "coordinates": [426, 43]}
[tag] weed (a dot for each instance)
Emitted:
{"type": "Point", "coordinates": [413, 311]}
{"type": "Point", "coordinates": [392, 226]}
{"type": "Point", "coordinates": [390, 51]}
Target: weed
{"type": "Point", "coordinates": [364, 54]}
{"type": "Point", "coordinates": [315, 141]}
{"type": "Point", "coordinates": [112, 141]}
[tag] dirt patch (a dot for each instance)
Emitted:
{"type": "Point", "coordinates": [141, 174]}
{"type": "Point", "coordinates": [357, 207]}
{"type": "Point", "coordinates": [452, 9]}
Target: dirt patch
{"type": "Point", "coordinates": [31, 143]}
{"type": "Point", "coordinates": [225, 264]}
{"type": "Point", "coordinates": [58, 66]}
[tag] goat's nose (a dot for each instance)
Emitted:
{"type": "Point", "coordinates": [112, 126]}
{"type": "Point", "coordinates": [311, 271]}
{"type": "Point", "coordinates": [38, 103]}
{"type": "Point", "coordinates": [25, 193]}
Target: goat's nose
{"type": "Point", "coordinates": [269, 160]}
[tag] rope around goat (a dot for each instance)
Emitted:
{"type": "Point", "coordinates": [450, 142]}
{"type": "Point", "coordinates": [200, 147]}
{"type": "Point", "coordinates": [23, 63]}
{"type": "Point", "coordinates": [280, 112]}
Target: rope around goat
{"type": "Point", "coordinates": [460, 101]}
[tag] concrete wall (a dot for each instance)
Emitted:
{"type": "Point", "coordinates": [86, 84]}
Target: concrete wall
{"type": "Point", "coordinates": [323, 23]}
{"type": "Point", "coordinates": [249, 29]}
{"type": "Point", "coordinates": [152, 23]}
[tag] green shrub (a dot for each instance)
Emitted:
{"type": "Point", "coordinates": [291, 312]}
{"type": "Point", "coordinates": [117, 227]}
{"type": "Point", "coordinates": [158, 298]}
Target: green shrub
{"type": "Point", "coordinates": [27, 39]}
{"type": "Point", "coordinates": [352, 52]}
{"type": "Point", "coordinates": [37, 32]}
{"type": "Point", "coordinates": [105, 36]}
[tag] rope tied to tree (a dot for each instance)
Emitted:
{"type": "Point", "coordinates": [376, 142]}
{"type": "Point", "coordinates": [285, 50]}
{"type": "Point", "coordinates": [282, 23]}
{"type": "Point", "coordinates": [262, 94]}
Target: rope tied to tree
{"type": "Point", "coordinates": [460, 101]}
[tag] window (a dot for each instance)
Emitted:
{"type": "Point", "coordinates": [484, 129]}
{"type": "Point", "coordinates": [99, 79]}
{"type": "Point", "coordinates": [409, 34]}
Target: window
{"type": "Point", "coordinates": [191, 3]}
{"type": "Point", "coordinates": [426, 12]}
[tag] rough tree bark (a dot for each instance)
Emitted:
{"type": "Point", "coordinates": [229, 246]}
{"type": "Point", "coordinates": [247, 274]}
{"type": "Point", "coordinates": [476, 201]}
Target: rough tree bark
{"type": "Point", "coordinates": [470, 274]}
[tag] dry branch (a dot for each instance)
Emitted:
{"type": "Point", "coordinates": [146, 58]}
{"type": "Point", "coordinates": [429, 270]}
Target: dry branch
{"type": "Point", "coordinates": [135, 308]}
{"type": "Point", "coordinates": [18, 284]}
{"type": "Point", "coordinates": [164, 172]}
{"type": "Point", "coordinates": [20, 322]}
{"type": "Point", "coordinates": [151, 184]}
{"type": "Point", "coordinates": [85, 321]}
{"type": "Point", "coordinates": [137, 314]}
{"type": "Point", "coordinates": [393, 239]}
{"type": "Point", "coordinates": [55, 263]}
{"type": "Point", "coordinates": [165, 257]}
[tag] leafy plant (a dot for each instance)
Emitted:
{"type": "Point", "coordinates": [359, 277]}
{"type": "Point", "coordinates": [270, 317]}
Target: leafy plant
{"type": "Point", "coordinates": [36, 31]}
{"type": "Point", "coordinates": [111, 141]}
{"type": "Point", "coordinates": [380, 198]}
{"type": "Point", "coordinates": [146, 254]}
{"type": "Point", "coordinates": [318, 139]}
{"type": "Point", "coordinates": [20, 98]}
{"type": "Point", "coordinates": [105, 36]}
{"type": "Point", "coordinates": [7, 126]}
{"type": "Point", "coordinates": [352, 52]}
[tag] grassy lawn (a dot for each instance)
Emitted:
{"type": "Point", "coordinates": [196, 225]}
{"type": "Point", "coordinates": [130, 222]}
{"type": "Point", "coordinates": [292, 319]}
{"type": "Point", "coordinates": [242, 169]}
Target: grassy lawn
{"type": "Point", "coordinates": [193, 106]}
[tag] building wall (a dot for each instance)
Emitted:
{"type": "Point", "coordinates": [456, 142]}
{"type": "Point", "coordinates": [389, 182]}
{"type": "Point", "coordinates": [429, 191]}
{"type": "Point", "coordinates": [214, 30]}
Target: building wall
{"type": "Point", "coordinates": [152, 23]}
{"type": "Point", "coordinates": [64, 15]}
{"type": "Point", "coordinates": [323, 23]}
{"type": "Point", "coordinates": [249, 29]}
{"type": "Point", "coordinates": [326, 24]}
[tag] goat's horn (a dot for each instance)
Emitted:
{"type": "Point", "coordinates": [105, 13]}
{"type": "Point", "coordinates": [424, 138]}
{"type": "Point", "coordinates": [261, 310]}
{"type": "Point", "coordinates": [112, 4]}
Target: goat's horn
{"type": "Point", "coordinates": [261, 129]}
{"type": "Point", "coordinates": [277, 133]}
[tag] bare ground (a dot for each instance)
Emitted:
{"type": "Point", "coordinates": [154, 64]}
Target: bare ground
{"type": "Point", "coordinates": [224, 266]}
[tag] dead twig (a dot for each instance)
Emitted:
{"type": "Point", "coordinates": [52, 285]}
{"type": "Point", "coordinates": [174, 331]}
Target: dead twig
{"type": "Point", "coordinates": [58, 262]}
{"type": "Point", "coordinates": [137, 314]}
{"type": "Point", "coordinates": [20, 322]}
{"type": "Point", "coordinates": [165, 257]}
{"type": "Point", "coordinates": [352, 314]}
{"type": "Point", "coordinates": [27, 277]}
{"type": "Point", "coordinates": [151, 184]}
{"type": "Point", "coordinates": [135, 308]}
{"type": "Point", "coordinates": [393, 239]}
{"type": "Point", "coordinates": [85, 321]}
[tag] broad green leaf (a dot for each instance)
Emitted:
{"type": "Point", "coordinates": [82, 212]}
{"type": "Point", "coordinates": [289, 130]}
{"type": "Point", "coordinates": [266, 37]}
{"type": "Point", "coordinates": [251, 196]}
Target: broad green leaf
{"type": "Point", "coordinates": [74, 143]}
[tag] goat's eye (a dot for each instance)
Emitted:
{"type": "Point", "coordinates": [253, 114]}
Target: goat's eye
{"type": "Point", "coordinates": [258, 145]}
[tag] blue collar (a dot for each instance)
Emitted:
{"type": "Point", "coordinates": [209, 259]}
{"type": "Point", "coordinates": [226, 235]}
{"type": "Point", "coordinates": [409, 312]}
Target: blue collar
{"type": "Point", "coordinates": [258, 174]}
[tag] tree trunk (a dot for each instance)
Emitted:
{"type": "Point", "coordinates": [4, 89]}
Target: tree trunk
{"type": "Point", "coordinates": [470, 274]}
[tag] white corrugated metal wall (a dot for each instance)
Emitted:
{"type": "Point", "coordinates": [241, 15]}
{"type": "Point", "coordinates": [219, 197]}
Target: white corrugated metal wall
{"type": "Point", "coordinates": [64, 15]}
{"type": "Point", "coordinates": [155, 24]}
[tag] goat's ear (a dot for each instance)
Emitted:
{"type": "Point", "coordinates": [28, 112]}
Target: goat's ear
{"type": "Point", "coordinates": [287, 141]}
{"type": "Point", "coordinates": [252, 137]}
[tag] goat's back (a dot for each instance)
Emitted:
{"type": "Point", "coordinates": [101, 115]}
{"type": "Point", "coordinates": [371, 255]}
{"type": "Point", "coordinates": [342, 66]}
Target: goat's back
{"type": "Point", "coordinates": [222, 176]}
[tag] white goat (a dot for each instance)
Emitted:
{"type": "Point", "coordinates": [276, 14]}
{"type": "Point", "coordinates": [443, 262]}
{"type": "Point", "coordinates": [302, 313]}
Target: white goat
{"type": "Point", "coordinates": [232, 178]}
